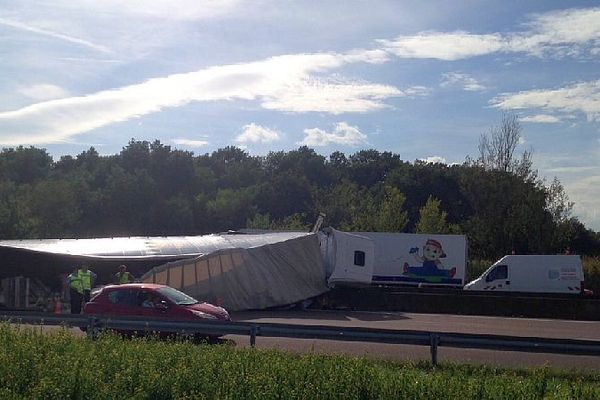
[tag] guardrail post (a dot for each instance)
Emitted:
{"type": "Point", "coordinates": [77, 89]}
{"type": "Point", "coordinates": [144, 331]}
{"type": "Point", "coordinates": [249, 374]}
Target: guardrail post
{"type": "Point", "coordinates": [253, 332]}
{"type": "Point", "coordinates": [434, 340]}
{"type": "Point", "coordinates": [91, 328]}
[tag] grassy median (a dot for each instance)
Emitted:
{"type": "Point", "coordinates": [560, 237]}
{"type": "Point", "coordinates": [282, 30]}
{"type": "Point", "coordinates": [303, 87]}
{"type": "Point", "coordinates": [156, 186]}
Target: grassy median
{"type": "Point", "coordinates": [60, 366]}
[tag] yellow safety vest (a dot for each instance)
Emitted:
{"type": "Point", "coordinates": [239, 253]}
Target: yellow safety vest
{"type": "Point", "coordinates": [123, 277]}
{"type": "Point", "coordinates": [75, 282]}
{"type": "Point", "coordinates": [86, 279]}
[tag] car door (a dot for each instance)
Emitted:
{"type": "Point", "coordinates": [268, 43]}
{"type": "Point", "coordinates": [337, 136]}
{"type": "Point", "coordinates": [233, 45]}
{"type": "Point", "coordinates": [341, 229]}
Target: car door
{"type": "Point", "coordinates": [123, 302]}
{"type": "Point", "coordinates": [159, 308]}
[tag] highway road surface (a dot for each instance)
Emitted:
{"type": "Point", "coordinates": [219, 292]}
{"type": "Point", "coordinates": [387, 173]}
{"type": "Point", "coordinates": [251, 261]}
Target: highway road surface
{"type": "Point", "coordinates": [564, 329]}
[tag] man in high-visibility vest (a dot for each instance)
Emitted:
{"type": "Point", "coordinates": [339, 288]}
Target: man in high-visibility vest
{"type": "Point", "coordinates": [123, 276]}
{"type": "Point", "coordinates": [75, 291]}
{"type": "Point", "coordinates": [87, 278]}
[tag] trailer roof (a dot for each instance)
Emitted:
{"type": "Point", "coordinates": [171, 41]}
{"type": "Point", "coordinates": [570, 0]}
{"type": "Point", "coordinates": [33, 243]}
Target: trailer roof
{"type": "Point", "coordinates": [139, 247]}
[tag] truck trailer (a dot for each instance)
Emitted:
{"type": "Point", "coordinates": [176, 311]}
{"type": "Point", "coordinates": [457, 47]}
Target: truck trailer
{"type": "Point", "coordinates": [379, 258]}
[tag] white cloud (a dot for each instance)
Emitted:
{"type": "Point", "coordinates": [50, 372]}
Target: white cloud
{"type": "Point", "coordinates": [542, 119]}
{"type": "Point", "coordinates": [467, 82]}
{"type": "Point", "coordinates": [190, 142]}
{"type": "Point", "coordinates": [561, 32]}
{"type": "Point", "coordinates": [416, 91]}
{"type": "Point", "coordinates": [566, 33]}
{"type": "Point", "coordinates": [52, 34]}
{"type": "Point", "coordinates": [256, 133]}
{"type": "Point", "coordinates": [375, 56]}
{"type": "Point", "coordinates": [43, 91]}
{"type": "Point", "coordinates": [444, 46]}
{"type": "Point", "coordinates": [317, 95]}
{"type": "Point", "coordinates": [581, 97]}
{"type": "Point", "coordinates": [343, 134]}
{"type": "Point", "coordinates": [280, 83]}
{"type": "Point", "coordinates": [435, 160]}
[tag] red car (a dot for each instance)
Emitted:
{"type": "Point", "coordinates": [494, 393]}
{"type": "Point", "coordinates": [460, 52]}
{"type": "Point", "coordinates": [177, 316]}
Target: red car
{"type": "Point", "coordinates": [152, 301]}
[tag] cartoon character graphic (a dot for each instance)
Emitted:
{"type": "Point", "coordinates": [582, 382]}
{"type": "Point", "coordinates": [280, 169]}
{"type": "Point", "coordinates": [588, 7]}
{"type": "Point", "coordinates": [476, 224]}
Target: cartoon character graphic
{"type": "Point", "coordinates": [431, 269]}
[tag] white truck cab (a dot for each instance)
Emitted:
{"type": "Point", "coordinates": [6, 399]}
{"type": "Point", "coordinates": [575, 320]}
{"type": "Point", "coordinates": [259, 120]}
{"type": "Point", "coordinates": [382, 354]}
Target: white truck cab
{"type": "Point", "coordinates": [532, 273]}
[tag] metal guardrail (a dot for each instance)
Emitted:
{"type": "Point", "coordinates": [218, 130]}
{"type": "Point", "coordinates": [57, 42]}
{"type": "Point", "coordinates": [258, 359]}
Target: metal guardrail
{"type": "Point", "coordinates": [434, 340]}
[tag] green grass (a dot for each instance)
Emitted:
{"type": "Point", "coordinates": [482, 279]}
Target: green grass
{"type": "Point", "coordinates": [61, 366]}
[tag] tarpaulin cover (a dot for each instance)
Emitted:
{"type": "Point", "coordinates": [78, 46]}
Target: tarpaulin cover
{"type": "Point", "coordinates": [138, 247]}
{"type": "Point", "coordinates": [264, 276]}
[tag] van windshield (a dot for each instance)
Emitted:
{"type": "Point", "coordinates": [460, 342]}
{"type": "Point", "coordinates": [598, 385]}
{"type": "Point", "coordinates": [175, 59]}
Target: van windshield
{"type": "Point", "coordinates": [177, 297]}
{"type": "Point", "coordinates": [498, 272]}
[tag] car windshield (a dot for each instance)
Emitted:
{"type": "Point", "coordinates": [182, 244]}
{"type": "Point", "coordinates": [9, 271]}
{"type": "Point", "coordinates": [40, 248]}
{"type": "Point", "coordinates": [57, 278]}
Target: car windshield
{"type": "Point", "coordinates": [176, 296]}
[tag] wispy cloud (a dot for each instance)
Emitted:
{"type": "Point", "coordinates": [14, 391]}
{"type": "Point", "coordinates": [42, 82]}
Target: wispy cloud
{"type": "Point", "coordinates": [56, 35]}
{"type": "Point", "coordinates": [560, 34]}
{"type": "Point", "coordinates": [319, 95]}
{"type": "Point", "coordinates": [542, 119]}
{"type": "Point", "coordinates": [465, 81]}
{"type": "Point", "coordinates": [190, 142]}
{"type": "Point", "coordinates": [43, 91]}
{"type": "Point", "coordinates": [583, 97]}
{"type": "Point", "coordinates": [444, 46]}
{"type": "Point", "coordinates": [283, 83]}
{"type": "Point", "coordinates": [343, 134]}
{"type": "Point", "coordinates": [256, 133]}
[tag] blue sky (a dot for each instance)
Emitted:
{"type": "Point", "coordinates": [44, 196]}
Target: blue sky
{"type": "Point", "coordinates": [423, 79]}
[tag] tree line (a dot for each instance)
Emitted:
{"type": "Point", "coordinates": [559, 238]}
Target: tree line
{"type": "Point", "coordinates": [151, 189]}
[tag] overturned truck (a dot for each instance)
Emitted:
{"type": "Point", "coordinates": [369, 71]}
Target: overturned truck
{"type": "Point", "coordinates": [252, 270]}
{"type": "Point", "coordinates": [284, 270]}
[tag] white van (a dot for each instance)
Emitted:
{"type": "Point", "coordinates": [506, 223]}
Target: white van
{"type": "Point", "coordinates": [533, 273]}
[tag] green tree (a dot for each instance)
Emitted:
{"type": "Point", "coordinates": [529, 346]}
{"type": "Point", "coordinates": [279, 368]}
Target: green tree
{"type": "Point", "coordinates": [294, 222]}
{"type": "Point", "coordinates": [370, 167]}
{"type": "Point", "coordinates": [391, 216]}
{"type": "Point", "coordinates": [230, 208]}
{"type": "Point", "coordinates": [557, 202]}
{"type": "Point", "coordinates": [53, 208]}
{"type": "Point", "coordinates": [259, 221]}
{"type": "Point", "coordinates": [25, 164]}
{"type": "Point", "coordinates": [432, 219]}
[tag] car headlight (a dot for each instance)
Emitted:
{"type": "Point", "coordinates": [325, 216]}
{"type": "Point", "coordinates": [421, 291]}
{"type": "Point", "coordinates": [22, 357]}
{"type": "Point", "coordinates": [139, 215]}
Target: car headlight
{"type": "Point", "coordinates": [203, 315]}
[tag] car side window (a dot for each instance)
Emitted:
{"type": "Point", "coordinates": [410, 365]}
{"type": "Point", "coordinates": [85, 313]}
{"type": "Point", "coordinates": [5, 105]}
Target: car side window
{"type": "Point", "coordinates": [123, 297]}
{"type": "Point", "coordinates": [145, 299]}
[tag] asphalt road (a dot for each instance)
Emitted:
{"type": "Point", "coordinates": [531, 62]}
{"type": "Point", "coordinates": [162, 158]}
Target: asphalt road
{"type": "Point", "coordinates": [588, 330]}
